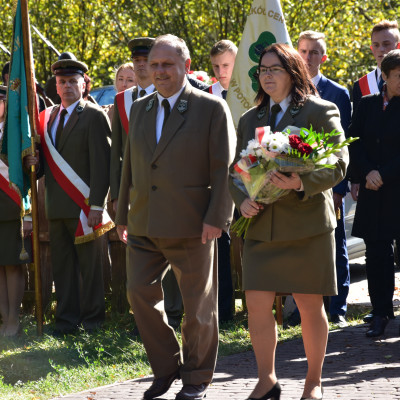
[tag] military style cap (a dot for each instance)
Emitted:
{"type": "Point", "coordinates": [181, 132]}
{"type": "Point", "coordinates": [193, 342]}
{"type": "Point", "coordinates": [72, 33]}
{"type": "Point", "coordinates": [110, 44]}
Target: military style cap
{"type": "Point", "coordinates": [140, 46]}
{"type": "Point", "coordinates": [68, 67]}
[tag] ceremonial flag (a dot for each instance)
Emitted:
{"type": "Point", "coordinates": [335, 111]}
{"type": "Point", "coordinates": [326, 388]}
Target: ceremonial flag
{"type": "Point", "coordinates": [265, 25]}
{"type": "Point", "coordinates": [20, 132]}
{"type": "Point", "coordinates": [16, 141]}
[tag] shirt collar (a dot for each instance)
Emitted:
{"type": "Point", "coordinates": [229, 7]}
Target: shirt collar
{"type": "Point", "coordinates": [148, 90]}
{"type": "Point", "coordinates": [284, 103]}
{"type": "Point", "coordinates": [70, 108]}
{"type": "Point", "coordinates": [316, 78]}
{"type": "Point", "coordinates": [172, 99]}
{"type": "Point", "coordinates": [378, 74]}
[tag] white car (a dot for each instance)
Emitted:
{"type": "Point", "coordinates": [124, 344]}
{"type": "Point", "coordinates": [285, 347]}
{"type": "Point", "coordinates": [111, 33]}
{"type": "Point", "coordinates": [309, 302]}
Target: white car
{"type": "Point", "coordinates": [355, 246]}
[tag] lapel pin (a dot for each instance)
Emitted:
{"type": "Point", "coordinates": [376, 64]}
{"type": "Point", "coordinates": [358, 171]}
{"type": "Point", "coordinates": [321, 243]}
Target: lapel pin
{"type": "Point", "coordinates": [79, 109]}
{"type": "Point", "coordinates": [262, 113]}
{"type": "Point", "coordinates": [150, 105]}
{"type": "Point", "coordinates": [294, 110]}
{"type": "Point", "coordinates": [182, 106]}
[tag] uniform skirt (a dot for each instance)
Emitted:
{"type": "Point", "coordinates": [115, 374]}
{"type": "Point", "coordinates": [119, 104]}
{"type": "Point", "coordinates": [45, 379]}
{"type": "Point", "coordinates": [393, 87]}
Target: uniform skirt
{"type": "Point", "coordinates": [299, 266]}
{"type": "Point", "coordinates": [11, 244]}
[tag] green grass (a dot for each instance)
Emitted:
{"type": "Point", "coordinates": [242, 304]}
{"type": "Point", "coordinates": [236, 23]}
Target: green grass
{"type": "Point", "coordinates": [39, 368]}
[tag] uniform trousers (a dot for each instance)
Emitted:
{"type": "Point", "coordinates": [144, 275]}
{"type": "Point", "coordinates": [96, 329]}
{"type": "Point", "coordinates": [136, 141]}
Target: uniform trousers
{"type": "Point", "coordinates": [379, 260]}
{"type": "Point", "coordinates": [195, 268]}
{"type": "Point", "coordinates": [72, 265]}
{"type": "Point", "coordinates": [338, 303]}
{"type": "Point", "coordinates": [225, 286]}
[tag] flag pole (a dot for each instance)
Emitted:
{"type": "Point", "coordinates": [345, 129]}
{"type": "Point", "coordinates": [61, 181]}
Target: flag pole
{"type": "Point", "coordinates": [31, 111]}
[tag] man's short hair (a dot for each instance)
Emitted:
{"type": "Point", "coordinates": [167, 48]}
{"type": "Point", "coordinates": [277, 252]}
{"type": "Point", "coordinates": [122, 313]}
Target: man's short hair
{"type": "Point", "coordinates": [313, 35]}
{"type": "Point", "coordinates": [387, 25]}
{"type": "Point", "coordinates": [222, 46]}
{"type": "Point", "coordinates": [174, 41]}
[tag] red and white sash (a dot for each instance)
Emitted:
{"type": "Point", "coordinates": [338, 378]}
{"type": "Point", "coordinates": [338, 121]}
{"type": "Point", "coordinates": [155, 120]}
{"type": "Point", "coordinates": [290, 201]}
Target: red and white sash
{"type": "Point", "coordinates": [5, 185]}
{"type": "Point", "coordinates": [125, 101]}
{"type": "Point", "coordinates": [72, 184]}
{"type": "Point", "coordinates": [216, 89]}
{"type": "Point", "coordinates": [368, 84]}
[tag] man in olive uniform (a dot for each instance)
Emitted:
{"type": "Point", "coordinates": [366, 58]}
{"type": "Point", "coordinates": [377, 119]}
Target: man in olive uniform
{"type": "Point", "coordinates": [140, 48]}
{"type": "Point", "coordinates": [76, 162]}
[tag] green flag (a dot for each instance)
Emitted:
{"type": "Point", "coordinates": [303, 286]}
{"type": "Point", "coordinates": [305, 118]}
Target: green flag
{"type": "Point", "coordinates": [16, 140]}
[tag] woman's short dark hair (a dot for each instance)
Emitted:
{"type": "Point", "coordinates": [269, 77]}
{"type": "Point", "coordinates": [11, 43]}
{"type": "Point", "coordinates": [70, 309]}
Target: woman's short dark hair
{"type": "Point", "coordinates": [390, 61]}
{"type": "Point", "coordinates": [295, 67]}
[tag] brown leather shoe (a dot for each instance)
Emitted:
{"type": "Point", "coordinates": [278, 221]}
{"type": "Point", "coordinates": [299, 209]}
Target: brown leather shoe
{"type": "Point", "coordinates": [192, 392]}
{"type": "Point", "coordinates": [160, 386]}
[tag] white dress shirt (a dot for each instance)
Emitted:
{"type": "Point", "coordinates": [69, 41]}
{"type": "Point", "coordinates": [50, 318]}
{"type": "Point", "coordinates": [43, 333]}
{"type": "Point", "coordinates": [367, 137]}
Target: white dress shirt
{"type": "Point", "coordinates": [160, 110]}
{"type": "Point", "coordinates": [69, 109]}
{"type": "Point", "coordinates": [284, 106]}
{"type": "Point", "coordinates": [148, 90]}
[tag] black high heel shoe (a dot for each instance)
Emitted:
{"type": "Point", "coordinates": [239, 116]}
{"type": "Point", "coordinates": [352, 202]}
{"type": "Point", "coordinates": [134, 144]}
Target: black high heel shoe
{"type": "Point", "coordinates": [273, 394]}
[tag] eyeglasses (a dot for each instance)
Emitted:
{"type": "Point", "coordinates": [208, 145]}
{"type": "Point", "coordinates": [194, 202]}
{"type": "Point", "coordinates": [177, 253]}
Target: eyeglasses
{"type": "Point", "coordinates": [274, 70]}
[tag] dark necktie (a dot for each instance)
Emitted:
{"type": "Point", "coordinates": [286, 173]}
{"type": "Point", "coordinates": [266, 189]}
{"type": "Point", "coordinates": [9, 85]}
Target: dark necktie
{"type": "Point", "coordinates": [380, 83]}
{"type": "Point", "coordinates": [167, 110]}
{"type": "Point", "coordinates": [142, 93]}
{"type": "Point", "coordinates": [60, 126]}
{"type": "Point", "coordinates": [224, 92]}
{"type": "Point", "coordinates": [274, 112]}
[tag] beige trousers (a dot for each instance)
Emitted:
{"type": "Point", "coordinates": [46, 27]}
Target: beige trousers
{"type": "Point", "coordinates": [195, 268]}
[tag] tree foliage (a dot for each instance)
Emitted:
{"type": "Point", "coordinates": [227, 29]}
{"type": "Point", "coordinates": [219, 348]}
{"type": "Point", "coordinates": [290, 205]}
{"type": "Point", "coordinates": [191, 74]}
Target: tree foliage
{"type": "Point", "coordinates": [98, 31]}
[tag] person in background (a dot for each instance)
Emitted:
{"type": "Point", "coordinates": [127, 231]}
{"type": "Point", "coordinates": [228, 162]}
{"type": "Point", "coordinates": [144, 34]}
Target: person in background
{"type": "Point", "coordinates": [289, 247]}
{"type": "Point", "coordinates": [385, 36]}
{"type": "Point", "coordinates": [5, 73]}
{"type": "Point", "coordinates": [125, 78]}
{"type": "Point", "coordinates": [312, 49]}
{"type": "Point", "coordinates": [375, 166]}
{"type": "Point", "coordinates": [222, 57]}
{"type": "Point", "coordinates": [12, 273]}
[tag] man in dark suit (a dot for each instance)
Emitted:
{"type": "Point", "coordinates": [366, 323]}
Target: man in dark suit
{"type": "Point", "coordinates": [312, 48]}
{"type": "Point", "coordinates": [76, 157]}
{"type": "Point", "coordinates": [385, 36]}
{"type": "Point", "coordinates": [173, 203]}
{"type": "Point", "coordinates": [222, 57]}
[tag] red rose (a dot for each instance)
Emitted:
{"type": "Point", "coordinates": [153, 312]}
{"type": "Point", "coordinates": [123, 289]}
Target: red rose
{"type": "Point", "coordinates": [294, 141]}
{"type": "Point", "coordinates": [305, 148]}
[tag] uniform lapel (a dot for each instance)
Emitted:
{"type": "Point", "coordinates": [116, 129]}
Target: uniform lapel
{"type": "Point", "coordinates": [174, 121]}
{"type": "Point", "coordinates": [322, 85]}
{"type": "Point", "coordinates": [72, 120]}
{"type": "Point", "coordinates": [287, 118]}
{"type": "Point", "coordinates": [134, 93]}
{"type": "Point", "coordinates": [53, 115]}
{"type": "Point", "coordinates": [149, 126]}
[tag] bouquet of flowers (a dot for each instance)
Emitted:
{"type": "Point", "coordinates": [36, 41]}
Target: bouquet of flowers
{"type": "Point", "coordinates": [286, 152]}
{"type": "Point", "coordinates": [202, 76]}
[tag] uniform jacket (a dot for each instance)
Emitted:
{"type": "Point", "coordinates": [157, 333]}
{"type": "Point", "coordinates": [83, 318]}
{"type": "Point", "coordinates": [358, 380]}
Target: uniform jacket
{"type": "Point", "coordinates": [339, 95]}
{"type": "Point", "coordinates": [377, 215]}
{"type": "Point", "coordinates": [9, 211]}
{"type": "Point", "coordinates": [175, 186]}
{"type": "Point", "coordinates": [298, 215]}
{"type": "Point", "coordinates": [118, 141]}
{"type": "Point", "coordinates": [84, 146]}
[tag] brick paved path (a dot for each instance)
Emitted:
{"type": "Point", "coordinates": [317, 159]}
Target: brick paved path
{"type": "Point", "coordinates": [356, 367]}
